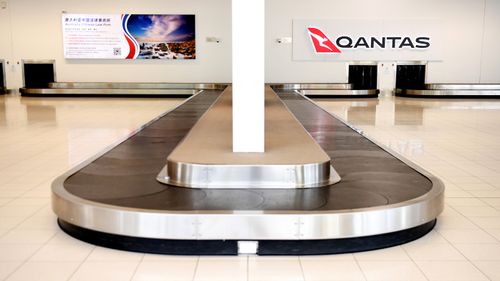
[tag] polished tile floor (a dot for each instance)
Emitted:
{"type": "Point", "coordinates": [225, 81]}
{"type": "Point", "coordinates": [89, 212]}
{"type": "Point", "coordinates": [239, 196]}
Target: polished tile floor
{"type": "Point", "coordinates": [457, 140]}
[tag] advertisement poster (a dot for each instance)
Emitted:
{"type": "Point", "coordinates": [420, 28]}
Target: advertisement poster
{"type": "Point", "coordinates": [128, 36]}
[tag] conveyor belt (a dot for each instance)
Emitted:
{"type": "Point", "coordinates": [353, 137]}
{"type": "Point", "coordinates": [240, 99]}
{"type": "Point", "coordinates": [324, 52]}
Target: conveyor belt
{"type": "Point", "coordinates": [126, 175]}
{"type": "Point", "coordinates": [379, 197]}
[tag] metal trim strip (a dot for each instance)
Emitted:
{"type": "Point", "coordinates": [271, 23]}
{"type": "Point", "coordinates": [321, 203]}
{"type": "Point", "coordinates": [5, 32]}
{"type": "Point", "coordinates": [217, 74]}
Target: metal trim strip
{"type": "Point", "coordinates": [451, 93]}
{"type": "Point", "coordinates": [134, 85]}
{"type": "Point", "coordinates": [460, 86]}
{"type": "Point", "coordinates": [107, 91]}
{"type": "Point", "coordinates": [369, 92]}
{"type": "Point", "coordinates": [243, 176]}
{"type": "Point", "coordinates": [311, 86]}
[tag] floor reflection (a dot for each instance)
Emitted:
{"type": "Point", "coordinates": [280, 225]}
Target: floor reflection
{"type": "Point", "coordinates": [364, 115]}
{"type": "Point", "coordinates": [72, 129]}
{"type": "Point", "coordinates": [408, 114]}
{"type": "Point", "coordinates": [45, 114]}
{"type": "Point", "coordinates": [354, 111]}
{"type": "Point", "coordinates": [3, 112]}
{"type": "Point", "coordinates": [389, 110]}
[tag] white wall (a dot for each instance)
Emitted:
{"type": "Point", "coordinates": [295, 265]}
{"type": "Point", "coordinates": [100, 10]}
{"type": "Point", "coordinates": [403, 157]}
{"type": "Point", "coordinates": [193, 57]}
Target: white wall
{"type": "Point", "coordinates": [490, 62]}
{"type": "Point", "coordinates": [36, 29]}
{"type": "Point", "coordinates": [5, 40]}
{"type": "Point", "coordinates": [472, 42]}
{"type": "Point", "coordinates": [463, 22]}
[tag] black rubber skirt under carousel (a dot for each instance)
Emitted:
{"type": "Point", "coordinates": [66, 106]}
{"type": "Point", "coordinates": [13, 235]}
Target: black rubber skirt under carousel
{"type": "Point", "coordinates": [114, 199]}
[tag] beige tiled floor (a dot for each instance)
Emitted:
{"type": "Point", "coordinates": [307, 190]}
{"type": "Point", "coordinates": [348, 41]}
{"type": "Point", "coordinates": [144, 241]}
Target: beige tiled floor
{"type": "Point", "coordinates": [457, 140]}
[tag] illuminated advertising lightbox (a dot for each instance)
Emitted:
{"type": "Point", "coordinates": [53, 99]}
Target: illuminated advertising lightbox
{"type": "Point", "coordinates": [128, 36]}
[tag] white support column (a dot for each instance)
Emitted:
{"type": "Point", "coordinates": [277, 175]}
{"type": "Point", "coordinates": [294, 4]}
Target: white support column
{"type": "Point", "coordinates": [248, 75]}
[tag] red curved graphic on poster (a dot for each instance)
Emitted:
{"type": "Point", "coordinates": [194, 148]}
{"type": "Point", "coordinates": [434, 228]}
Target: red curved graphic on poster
{"type": "Point", "coordinates": [131, 47]}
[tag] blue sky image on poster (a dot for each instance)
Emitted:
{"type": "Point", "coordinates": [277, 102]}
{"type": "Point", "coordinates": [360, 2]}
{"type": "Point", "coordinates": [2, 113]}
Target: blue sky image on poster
{"type": "Point", "coordinates": [160, 36]}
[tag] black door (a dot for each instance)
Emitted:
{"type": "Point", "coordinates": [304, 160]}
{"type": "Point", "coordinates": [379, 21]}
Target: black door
{"type": "Point", "coordinates": [363, 77]}
{"type": "Point", "coordinates": [38, 75]}
{"type": "Point", "coordinates": [2, 78]}
{"type": "Point", "coordinates": [410, 76]}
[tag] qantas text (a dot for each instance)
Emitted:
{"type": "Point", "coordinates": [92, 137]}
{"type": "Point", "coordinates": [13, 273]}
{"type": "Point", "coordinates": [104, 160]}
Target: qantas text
{"type": "Point", "coordinates": [393, 42]}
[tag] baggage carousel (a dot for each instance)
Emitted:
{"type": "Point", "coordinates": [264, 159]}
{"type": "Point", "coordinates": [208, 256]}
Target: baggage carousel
{"type": "Point", "coordinates": [328, 90]}
{"type": "Point", "coordinates": [115, 200]}
{"type": "Point", "coordinates": [116, 89]}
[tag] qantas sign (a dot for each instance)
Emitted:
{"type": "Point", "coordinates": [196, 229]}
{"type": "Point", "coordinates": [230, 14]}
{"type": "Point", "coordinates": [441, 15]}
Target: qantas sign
{"type": "Point", "coordinates": [323, 45]}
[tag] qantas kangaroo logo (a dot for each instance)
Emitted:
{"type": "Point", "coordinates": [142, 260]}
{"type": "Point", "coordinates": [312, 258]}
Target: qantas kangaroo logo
{"type": "Point", "coordinates": [322, 44]}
